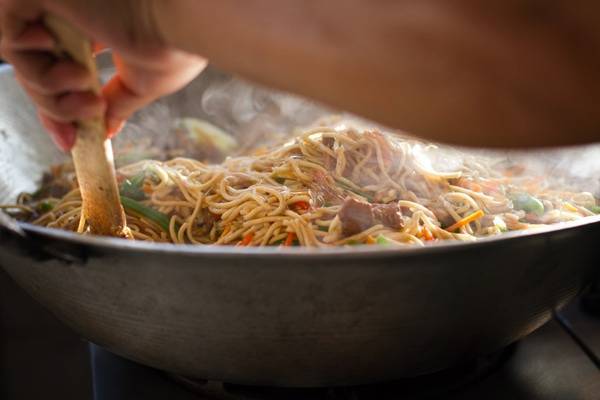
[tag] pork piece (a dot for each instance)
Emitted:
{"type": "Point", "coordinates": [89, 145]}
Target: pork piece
{"type": "Point", "coordinates": [388, 215]}
{"type": "Point", "coordinates": [329, 162]}
{"type": "Point", "coordinates": [443, 216]}
{"type": "Point", "coordinates": [328, 141]}
{"type": "Point", "coordinates": [356, 216]}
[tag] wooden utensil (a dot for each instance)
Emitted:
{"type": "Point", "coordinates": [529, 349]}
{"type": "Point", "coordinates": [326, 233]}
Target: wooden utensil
{"type": "Point", "coordinates": [92, 153]}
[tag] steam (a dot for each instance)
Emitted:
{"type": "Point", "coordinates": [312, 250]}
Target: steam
{"type": "Point", "coordinates": [254, 113]}
{"type": "Point", "coordinates": [575, 167]}
{"type": "Point", "coordinates": [257, 116]}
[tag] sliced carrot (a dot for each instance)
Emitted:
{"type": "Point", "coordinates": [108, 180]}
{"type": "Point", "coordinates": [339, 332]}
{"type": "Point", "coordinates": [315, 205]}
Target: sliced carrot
{"type": "Point", "coordinates": [247, 239]}
{"type": "Point", "coordinates": [467, 220]}
{"type": "Point", "coordinates": [147, 188]}
{"type": "Point", "coordinates": [426, 234]}
{"type": "Point", "coordinates": [290, 239]}
{"type": "Point", "coordinates": [225, 231]}
{"type": "Point", "coordinates": [371, 240]}
{"type": "Point", "coordinates": [301, 206]}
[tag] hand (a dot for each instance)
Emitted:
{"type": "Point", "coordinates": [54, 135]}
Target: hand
{"type": "Point", "coordinates": [146, 69]}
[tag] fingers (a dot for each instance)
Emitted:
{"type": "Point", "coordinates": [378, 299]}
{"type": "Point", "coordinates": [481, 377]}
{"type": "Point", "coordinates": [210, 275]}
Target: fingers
{"type": "Point", "coordinates": [138, 84]}
{"type": "Point", "coordinates": [63, 134]}
{"type": "Point", "coordinates": [60, 88]}
{"type": "Point", "coordinates": [34, 37]}
{"type": "Point", "coordinates": [66, 107]}
{"type": "Point", "coordinates": [122, 103]}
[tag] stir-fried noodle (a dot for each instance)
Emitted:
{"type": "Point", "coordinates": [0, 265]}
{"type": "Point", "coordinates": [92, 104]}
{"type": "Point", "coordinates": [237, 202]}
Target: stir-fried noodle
{"type": "Point", "coordinates": [326, 187]}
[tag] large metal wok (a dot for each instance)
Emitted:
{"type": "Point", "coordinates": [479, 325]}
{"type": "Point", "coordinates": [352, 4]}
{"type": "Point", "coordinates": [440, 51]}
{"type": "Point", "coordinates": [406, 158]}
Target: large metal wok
{"type": "Point", "coordinates": [284, 317]}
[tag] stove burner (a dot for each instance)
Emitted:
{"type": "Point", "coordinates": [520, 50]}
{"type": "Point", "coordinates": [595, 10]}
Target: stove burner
{"type": "Point", "coordinates": [443, 382]}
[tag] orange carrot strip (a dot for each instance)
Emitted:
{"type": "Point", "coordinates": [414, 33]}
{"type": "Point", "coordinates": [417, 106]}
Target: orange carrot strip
{"type": "Point", "coordinates": [290, 239]}
{"type": "Point", "coordinates": [427, 235]}
{"type": "Point", "coordinates": [247, 239]}
{"type": "Point", "coordinates": [301, 206]}
{"type": "Point", "coordinates": [467, 220]}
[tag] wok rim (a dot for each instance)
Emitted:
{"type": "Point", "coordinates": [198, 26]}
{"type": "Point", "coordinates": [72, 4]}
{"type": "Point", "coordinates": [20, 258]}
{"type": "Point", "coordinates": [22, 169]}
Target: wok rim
{"type": "Point", "coordinates": [361, 251]}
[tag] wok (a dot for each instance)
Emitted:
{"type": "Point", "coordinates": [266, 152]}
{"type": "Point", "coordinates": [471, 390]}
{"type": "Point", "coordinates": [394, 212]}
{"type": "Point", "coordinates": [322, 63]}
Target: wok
{"type": "Point", "coordinates": [293, 317]}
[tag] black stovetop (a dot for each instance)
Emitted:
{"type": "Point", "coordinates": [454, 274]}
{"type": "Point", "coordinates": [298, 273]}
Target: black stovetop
{"type": "Point", "coordinates": [559, 361]}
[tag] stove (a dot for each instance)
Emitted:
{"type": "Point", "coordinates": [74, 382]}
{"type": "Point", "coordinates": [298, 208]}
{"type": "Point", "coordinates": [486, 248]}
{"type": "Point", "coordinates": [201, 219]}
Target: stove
{"type": "Point", "coordinates": [559, 361]}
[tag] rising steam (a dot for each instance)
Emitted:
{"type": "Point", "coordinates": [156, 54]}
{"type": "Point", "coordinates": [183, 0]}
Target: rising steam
{"type": "Point", "coordinates": [258, 116]}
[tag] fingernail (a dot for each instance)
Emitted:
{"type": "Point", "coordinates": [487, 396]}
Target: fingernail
{"type": "Point", "coordinates": [114, 126]}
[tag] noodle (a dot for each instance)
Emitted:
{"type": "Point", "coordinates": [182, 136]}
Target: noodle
{"type": "Point", "coordinates": [301, 192]}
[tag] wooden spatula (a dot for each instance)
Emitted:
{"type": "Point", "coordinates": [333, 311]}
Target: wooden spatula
{"type": "Point", "coordinates": [92, 153]}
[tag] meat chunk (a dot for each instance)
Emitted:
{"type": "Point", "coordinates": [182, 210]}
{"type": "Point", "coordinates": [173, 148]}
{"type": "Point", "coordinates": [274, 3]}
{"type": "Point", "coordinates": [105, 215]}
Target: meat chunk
{"type": "Point", "coordinates": [443, 216]}
{"type": "Point", "coordinates": [328, 141]}
{"type": "Point", "coordinates": [388, 215]}
{"type": "Point", "coordinates": [357, 216]}
{"type": "Point", "coordinates": [329, 162]}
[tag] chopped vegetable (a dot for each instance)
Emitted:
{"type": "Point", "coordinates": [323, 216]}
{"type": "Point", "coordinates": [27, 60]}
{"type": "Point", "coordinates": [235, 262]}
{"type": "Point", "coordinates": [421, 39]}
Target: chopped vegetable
{"type": "Point", "coordinates": [426, 234]}
{"type": "Point", "coordinates": [301, 206]}
{"type": "Point", "coordinates": [500, 224]}
{"type": "Point", "coordinates": [247, 240]}
{"type": "Point", "coordinates": [467, 220]}
{"type": "Point", "coordinates": [289, 241]}
{"type": "Point", "coordinates": [594, 209]}
{"type": "Point", "coordinates": [45, 206]}
{"type": "Point", "coordinates": [205, 133]}
{"type": "Point", "coordinates": [279, 180]}
{"type": "Point", "coordinates": [383, 241]}
{"type": "Point", "coordinates": [570, 207]}
{"type": "Point", "coordinates": [133, 187]}
{"type": "Point", "coordinates": [324, 228]}
{"type": "Point", "coordinates": [358, 192]}
{"type": "Point", "coordinates": [353, 243]}
{"type": "Point", "coordinates": [371, 240]}
{"type": "Point", "coordinates": [159, 218]}
{"type": "Point", "coordinates": [528, 203]}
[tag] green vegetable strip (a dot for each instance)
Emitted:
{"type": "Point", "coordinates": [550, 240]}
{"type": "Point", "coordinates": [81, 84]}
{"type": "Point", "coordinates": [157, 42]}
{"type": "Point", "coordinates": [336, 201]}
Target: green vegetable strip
{"type": "Point", "coordinates": [351, 189]}
{"type": "Point", "coordinates": [528, 203]}
{"type": "Point", "coordinates": [134, 187]}
{"type": "Point", "coordinates": [161, 219]}
{"type": "Point", "coordinates": [594, 209]}
{"type": "Point", "coordinates": [383, 241]}
{"type": "Point", "coordinates": [46, 207]}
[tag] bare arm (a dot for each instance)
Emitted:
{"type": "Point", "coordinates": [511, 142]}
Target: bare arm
{"type": "Point", "coordinates": [483, 73]}
{"type": "Point", "coordinates": [503, 73]}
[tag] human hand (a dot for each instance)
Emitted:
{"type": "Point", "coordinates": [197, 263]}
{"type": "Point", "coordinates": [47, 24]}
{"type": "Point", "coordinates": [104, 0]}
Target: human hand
{"type": "Point", "coordinates": [61, 89]}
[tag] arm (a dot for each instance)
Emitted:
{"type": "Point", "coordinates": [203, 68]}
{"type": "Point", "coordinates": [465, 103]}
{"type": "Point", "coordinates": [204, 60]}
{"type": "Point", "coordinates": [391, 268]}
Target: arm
{"type": "Point", "coordinates": [498, 73]}
{"type": "Point", "coordinates": [504, 73]}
